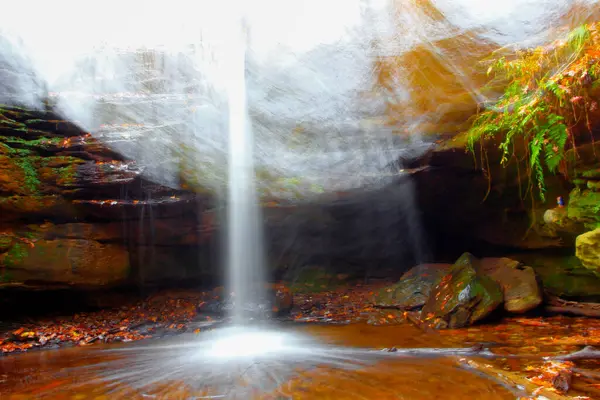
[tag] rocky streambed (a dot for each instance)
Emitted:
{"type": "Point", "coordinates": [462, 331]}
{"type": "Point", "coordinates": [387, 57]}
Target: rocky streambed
{"type": "Point", "coordinates": [514, 358]}
{"type": "Point", "coordinates": [450, 329]}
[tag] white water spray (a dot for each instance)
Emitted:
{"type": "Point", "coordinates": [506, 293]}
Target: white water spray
{"type": "Point", "coordinates": [245, 247]}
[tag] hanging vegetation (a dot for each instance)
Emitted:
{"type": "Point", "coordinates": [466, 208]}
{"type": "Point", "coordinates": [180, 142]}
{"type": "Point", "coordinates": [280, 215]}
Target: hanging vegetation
{"type": "Point", "coordinates": [549, 97]}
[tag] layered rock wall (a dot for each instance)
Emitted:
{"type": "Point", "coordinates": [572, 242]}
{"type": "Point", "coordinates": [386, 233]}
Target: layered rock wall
{"type": "Point", "coordinates": [75, 213]}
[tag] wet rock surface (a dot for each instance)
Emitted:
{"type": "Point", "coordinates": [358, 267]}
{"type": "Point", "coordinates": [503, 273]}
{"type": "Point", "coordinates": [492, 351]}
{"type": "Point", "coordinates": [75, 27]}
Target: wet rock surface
{"type": "Point", "coordinates": [70, 261]}
{"type": "Point", "coordinates": [464, 296]}
{"type": "Point", "coordinates": [520, 287]}
{"type": "Point", "coordinates": [564, 276]}
{"type": "Point", "coordinates": [90, 193]}
{"type": "Point", "coordinates": [413, 288]}
{"type": "Point", "coordinates": [587, 250]}
{"type": "Point", "coordinates": [104, 213]}
{"type": "Point", "coordinates": [583, 207]}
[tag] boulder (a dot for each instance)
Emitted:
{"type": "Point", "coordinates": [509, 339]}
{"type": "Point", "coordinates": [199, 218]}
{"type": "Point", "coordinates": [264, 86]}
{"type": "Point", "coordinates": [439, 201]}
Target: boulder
{"type": "Point", "coordinates": [464, 296]}
{"type": "Point", "coordinates": [564, 276]}
{"type": "Point", "coordinates": [593, 185]}
{"type": "Point", "coordinates": [65, 261]}
{"type": "Point", "coordinates": [413, 289]}
{"type": "Point", "coordinates": [519, 283]}
{"type": "Point", "coordinates": [587, 249]}
{"type": "Point", "coordinates": [591, 173]}
{"type": "Point", "coordinates": [584, 207]}
{"type": "Point", "coordinates": [557, 222]}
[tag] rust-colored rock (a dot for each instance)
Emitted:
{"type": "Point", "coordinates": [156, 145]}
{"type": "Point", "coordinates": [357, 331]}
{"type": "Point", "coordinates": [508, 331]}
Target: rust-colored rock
{"type": "Point", "coordinates": [67, 261]}
{"type": "Point", "coordinates": [464, 296]}
{"type": "Point", "coordinates": [413, 288]}
{"type": "Point", "coordinates": [587, 250]}
{"type": "Point", "coordinates": [521, 289]}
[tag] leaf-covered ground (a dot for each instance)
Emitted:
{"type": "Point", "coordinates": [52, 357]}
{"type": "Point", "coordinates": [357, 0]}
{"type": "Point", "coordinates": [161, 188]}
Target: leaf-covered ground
{"type": "Point", "coordinates": [176, 312]}
{"type": "Point", "coordinates": [526, 350]}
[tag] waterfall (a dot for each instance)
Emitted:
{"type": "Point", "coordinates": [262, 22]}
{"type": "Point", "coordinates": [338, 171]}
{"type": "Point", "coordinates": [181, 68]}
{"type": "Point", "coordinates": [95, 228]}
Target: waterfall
{"type": "Point", "coordinates": [245, 259]}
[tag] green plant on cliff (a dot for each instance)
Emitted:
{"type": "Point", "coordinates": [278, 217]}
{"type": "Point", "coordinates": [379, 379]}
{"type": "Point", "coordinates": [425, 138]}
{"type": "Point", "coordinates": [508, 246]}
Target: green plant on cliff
{"type": "Point", "coordinates": [32, 181]}
{"type": "Point", "coordinates": [13, 257]}
{"type": "Point", "coordinates": [549, 95]}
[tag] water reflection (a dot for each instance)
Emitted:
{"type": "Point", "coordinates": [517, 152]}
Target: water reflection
{"type": "Point", "coordinates": [232, 363]}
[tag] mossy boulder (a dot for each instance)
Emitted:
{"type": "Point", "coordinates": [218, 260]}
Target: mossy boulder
{"type": "Point", "coordinates": [593, 185]}
{"type": "Point", "coordinates": [413, 288]}
{"type": "Point", "coordinates": [563, 276]}
{"type": "Point", "coordinates": [557, 223]}
{"type": "Point", "coordinates": [584, 207]}
{"type": "Point", "coordinates": [520, 287]}
{"type": "Point", "coordinates": [464, 296]}
{"type": "Point", "coordinates": [591, 174]}
{"type": "Point", "coordinates": [587, 249]}
{"type": "Point", "coordinates": [65, 261]}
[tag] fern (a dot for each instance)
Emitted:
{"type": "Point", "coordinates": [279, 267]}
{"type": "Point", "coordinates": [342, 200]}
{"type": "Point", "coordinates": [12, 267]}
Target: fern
{"type": "Point", "coordinates": [556, 137]}
{"type": "Point", "coordinates": [578, 37]}
{"type": "Point", "coordinates": [545, 93]}
{"type": "Point", "coordinates": [536, 164]}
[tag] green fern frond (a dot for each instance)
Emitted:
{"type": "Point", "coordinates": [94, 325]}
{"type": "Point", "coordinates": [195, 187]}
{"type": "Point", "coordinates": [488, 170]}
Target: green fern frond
{"type": "Point", "coordinates": [578, 38]}
{"type": "Point", "coordinates": [556, 139]}
{"type": "Point", "coordinates": [535, 147]}
{"type": "Point", "coordinates": [544, 91]}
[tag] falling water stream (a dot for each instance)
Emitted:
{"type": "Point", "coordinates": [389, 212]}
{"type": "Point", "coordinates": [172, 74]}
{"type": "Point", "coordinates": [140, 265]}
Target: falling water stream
{"type": "Point", "coordinates": [245, 249]}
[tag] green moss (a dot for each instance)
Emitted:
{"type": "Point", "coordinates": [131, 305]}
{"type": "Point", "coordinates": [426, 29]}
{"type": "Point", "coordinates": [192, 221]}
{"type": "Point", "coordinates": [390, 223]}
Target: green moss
{"type": "Point", "coordinates": [6, 277]}
{"type": "Point", "coordinates": [32, 181]}
{"type": "Point", "coordinates": [315, 279]}
{"type": "Point", "coordinates": [62, 170]}
{"type": "Point", "coordinates": [5, 242]}
{"type": "Point", "coordinates": [29, 235]}
{"type": "Point", "coordinates": [7, 109]}
{"type": "Point", "coordinates": [591, 173]}
{"type": "Point", "coordinates": [43, 142]}
{"type": "Point", "coordinates": [466, 297]}
{"type": "Point", "coordinates": [67, 175]}
{"type": "Point", "coordinates": [584, 207]}
{"type": "Point", "coordinates": [564, 276]}
{"type": "Point", "coordinates": [34, 121]}
{"type": "Point", "coordinates": [7, 150]}
{"type": "Point", "coordinates": [22, 152]}
{"type": "Point", "coordinates": [18, 126]}
{"type": "Point", "coordinates": [593, 185]}
{"type": "Point", "coordinates": [60, 161]}
{"type": "Point", "coordinates": [15, 255]}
